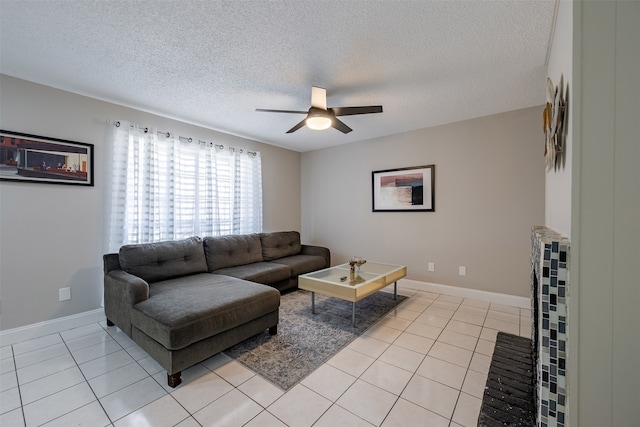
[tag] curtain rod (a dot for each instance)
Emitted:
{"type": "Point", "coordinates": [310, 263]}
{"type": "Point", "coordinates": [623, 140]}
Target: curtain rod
{"type": "Point", "coordinates": [188, 139]}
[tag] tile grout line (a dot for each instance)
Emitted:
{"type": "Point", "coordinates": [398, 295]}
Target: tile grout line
{"type": "Point", "coordinates": [413, 374]}
{"type": "Point", "coordinates": [85, 380]}
{"type": "Point", "coordinates": [399, 396]}
{"type": "Point", "coordinates": [15, 366]}
{"type": "Point", "coordinates": [467, 372]}
{"type": "Point", "coordinates": [359, 378]}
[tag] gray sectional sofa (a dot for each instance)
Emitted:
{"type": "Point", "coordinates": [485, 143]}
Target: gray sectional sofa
{"type": "Point", "coordinates": [184, 301]}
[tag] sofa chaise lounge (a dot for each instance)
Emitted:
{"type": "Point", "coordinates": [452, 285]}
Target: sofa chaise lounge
{"type": "Point", "coordinates": [185, 301]}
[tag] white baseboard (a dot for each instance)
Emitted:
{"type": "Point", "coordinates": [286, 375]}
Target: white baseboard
{"type": "Point", "coordinates": [493, 297]}
{"type": "Point", "coordinates": [25, 333]}
{"type": "Point", "coordinates": [48, 327]}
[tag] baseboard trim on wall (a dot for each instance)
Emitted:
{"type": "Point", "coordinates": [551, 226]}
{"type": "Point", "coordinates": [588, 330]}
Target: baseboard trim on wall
{"type": "Point", "coordinates": [48, 327]}
{"type": "Point", "coordinates": [493, 297]}
{"type": "Point", "coordinates": [25, 333]}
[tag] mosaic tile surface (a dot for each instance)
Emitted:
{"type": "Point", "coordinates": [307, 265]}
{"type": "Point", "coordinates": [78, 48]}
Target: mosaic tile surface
{"type": "Point", "coordinates": [550, 274]}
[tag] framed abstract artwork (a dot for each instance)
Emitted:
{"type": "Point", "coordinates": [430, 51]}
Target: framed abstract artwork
{"type": "Point", "coordinates": [33, 158]}
{"type": "Point", "coordinates": [410, 189]}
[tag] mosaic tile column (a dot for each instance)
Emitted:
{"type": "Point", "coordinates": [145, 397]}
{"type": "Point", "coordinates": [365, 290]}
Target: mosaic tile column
{"type": "Point", "coordinates": [549, 280]}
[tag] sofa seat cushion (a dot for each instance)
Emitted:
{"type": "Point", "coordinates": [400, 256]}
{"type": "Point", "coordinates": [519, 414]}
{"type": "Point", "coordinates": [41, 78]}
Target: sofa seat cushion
{"type": "Point", "coordinates": [230, 251]}
{"type": "Point", "coordinates": [259, 272]}
{"type": "Point", "coordinates": [154, 262]}
{"type": "Point", "coordinates": [182, 311]}
{"type": "Point", "coordinates": [302, 264]}
{"type": "Point", "coordinates": [280, 244]}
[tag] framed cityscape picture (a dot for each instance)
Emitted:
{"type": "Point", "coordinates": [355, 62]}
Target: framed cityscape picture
{"type": "Point", "coordinates": [33, 158]}
{"type": "Point", "coordinates": [408, 189]}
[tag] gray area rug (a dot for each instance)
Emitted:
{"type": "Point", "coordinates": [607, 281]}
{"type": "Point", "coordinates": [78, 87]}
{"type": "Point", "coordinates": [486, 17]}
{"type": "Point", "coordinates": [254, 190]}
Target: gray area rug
{"type": "Point", "coordinates": [305, 340]}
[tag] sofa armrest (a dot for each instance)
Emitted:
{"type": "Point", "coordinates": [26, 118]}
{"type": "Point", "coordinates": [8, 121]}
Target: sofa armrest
{"type": "Point", "coordinates": [318, 251]}
{"type": "Point", "coordinates": [121, 292]}
{"type": "Point", "coordinates": [126, 287]}
{"type": "Point", "coordinates": [110, 262]}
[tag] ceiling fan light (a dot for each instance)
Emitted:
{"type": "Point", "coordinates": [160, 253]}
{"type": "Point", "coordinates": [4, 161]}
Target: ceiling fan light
{"type": "Point", "coordinates": [318, 123]}
{"type": "Point", "coordinates": [318, 120]}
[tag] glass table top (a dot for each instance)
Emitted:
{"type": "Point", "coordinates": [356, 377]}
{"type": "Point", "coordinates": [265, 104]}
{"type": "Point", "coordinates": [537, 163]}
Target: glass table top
{"type": "Point", "coordinates": [341, 274]}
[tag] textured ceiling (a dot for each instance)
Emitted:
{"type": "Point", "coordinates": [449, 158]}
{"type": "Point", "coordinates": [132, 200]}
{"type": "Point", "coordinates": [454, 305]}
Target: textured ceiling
{"type": "Point", "coordinates": [212, 63]}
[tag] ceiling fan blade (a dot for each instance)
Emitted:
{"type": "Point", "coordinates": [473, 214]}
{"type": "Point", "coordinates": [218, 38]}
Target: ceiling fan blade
{"type": "Point", "coordinates": [298, 126]}
{"type": "Point", "coordinates": [337, 124]}
{"type": "Point", "coordinates": [351, 111]}
{"type": "Point", "coordinates": [280, 111]}
{"type": "Point", "coordinates": [318, 97]}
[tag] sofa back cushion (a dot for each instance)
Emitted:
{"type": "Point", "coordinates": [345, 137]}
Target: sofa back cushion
{"type": "Point", "coordinates": [231, 251]}
{"type": "Point", "coordinates": [164, 260]}
{"type": "Point", "coordinates": [280, 244]}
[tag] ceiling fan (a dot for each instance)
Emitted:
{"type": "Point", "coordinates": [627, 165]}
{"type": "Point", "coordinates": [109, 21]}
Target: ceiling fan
{"type": "Point", "coordinates": [319, 117]}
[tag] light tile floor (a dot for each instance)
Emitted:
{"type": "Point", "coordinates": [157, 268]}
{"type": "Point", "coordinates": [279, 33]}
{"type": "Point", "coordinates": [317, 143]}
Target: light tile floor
{"type": "Point", "coordinates": [424, 364]}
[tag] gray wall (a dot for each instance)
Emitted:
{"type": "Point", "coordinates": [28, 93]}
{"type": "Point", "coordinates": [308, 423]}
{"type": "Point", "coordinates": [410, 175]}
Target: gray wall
{"type": "Point", "coordinates": [558, 182]}
{"type": "Point", "coordinates": [489, 192]}
{"type": "Point", "coordinates": [487, 178]}
{"type": "Point", "coordinates": [53, 236]}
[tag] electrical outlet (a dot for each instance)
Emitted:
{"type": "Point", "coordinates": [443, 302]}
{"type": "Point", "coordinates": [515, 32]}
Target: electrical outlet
{"type": "Point", "coordinates": [462, 270]}
{"type": "Point", "coordinates": [64, 294]}
{"type": "Point", "coordinates": [432, 267]}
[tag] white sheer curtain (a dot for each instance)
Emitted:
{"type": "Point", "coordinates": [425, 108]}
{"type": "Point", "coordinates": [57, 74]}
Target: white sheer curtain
{"type": "Point", "coordinates": [167, 188]}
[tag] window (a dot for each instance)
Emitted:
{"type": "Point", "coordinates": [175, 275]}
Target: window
{"type": "Point", "coordinates": [167, 188]}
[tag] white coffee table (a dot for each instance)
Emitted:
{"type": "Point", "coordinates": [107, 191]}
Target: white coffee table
{"type": "Point", "coordinates": [340, 282]}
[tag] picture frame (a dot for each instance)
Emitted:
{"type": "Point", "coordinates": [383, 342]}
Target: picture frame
{"type": "Point", "coordinates": [410, 189]}
{"type": "Point", "coordinates": [33, 158]}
